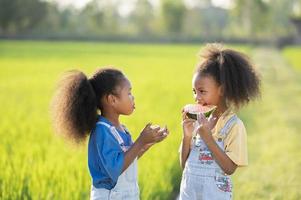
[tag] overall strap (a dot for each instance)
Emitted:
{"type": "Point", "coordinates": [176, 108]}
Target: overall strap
{"type": "Point", "coordinates": [229, 124]}
{"type": "Point", "coordinates": [115, 134]}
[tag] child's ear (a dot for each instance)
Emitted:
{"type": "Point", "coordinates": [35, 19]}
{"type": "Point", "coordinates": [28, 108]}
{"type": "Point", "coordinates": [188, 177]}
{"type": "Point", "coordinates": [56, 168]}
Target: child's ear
{"type": "Point", "coordinates": [111, 99]}
{"type": "Point", "coordinates": [221, 90]}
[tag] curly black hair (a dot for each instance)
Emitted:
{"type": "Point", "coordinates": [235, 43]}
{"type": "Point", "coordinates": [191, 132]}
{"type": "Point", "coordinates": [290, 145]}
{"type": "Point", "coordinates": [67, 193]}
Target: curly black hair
{"type": "Point", "coordinates": [233, 71]}
{"type": "Point", "coordinates": [76, 104]}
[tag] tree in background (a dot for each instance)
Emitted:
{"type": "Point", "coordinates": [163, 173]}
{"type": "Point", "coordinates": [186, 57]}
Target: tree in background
{"type": "Point", "coordinates": [200, 20]}
{"type": "Point", "coordinates": [263, 18]}
{"type": "Point", "coordinates": [92, 18]}
{"type": "Point", "coordinates": [173, 12]}
{"type": "Point", "coordinates": [20, 16]}
{"type": "Point", "coordinates": [296, 8]}
{"type": "Point", "coordinates": [142, 18]}
{"type": "Point", "coordinates": [251, 17]}
{"type": "Point", "coordinates": [206, 22]}
{"type": "Point", "coordinates": [112, 18]}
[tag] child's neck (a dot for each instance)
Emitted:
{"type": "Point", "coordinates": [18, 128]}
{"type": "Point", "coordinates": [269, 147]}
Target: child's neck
{"type": "Point", "coordinates": [113, 118]}
{"type": "Point", "coordinates": [220, 109]}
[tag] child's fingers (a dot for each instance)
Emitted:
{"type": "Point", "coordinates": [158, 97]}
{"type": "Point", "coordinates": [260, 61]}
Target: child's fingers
{"type": "Point", "coordinates": [156, 129]}
{"type": "Point", "coordinates": [201, 117]}
{"type": "Point", "coordinates": [187, 121]}
{"type": "Point", "coordinates": [184, 115]}
{"type": "Point", "coordinates": [147, 126]}
{"type": "Point", "coordinates": [162, 131]}
{"type": "Point", "coordinates": [166, 130]}
{"type": "Point", "coordinates": [160, 138]}
{"type": "Point", "coordinates": [161, 134]}
{"type": "Point", "coordinates": [212, 119]}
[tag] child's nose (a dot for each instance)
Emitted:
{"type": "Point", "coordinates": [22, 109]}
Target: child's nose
{"type": "Point", "coordinates": [197, 98]}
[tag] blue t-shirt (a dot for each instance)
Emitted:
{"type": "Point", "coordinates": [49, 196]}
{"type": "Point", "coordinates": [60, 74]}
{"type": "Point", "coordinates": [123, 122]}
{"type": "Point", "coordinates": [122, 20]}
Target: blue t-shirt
{"type": "Point", "coordinates": [105, 156]}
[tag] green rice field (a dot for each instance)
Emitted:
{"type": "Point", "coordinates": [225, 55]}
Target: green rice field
{"type": "Point", "coordinates": [35, 163]}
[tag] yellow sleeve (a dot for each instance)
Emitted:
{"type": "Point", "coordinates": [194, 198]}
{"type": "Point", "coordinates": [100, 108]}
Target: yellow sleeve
{"type": "Point", "coordinates": [236, 144]}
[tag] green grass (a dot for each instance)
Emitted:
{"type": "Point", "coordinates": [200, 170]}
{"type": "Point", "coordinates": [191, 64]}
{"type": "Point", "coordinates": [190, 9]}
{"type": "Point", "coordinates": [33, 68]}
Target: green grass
{"type": "Point", "coordinates": [274, 139]}
{"type": "Point", "coordinates": [39, 165]}
{"type": "Point", "coordinates": [293, 55]}
{"type": "Point", "coordinates": [36, 164]}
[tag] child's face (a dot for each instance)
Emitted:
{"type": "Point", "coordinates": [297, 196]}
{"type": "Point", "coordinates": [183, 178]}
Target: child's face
{"type": "Point", "coordinates": [124, 104]}
{"type": "Point", "coordinates": [206, 90]}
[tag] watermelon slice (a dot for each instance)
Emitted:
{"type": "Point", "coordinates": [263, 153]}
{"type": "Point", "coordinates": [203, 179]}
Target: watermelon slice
{"type": "Point", "coordinates": [194, 109]}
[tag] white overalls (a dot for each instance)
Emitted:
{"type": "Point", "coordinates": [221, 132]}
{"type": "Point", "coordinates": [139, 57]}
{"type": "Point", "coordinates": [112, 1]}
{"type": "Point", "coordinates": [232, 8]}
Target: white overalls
{"type": "Point", "coordinates": [127, 184]}
{"type": "Point", "coordinates": [202, 177]}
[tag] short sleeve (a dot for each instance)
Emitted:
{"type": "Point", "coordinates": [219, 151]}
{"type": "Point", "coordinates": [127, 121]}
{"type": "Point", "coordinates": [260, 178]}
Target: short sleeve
{"type": "Point", "coordinates": [236, 144]}
{"type": "Point", "coordinates": [110, 153]}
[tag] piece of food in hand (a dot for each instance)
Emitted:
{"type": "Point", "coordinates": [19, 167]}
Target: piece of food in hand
{"type": "Point", "coordinates": [154, 126]}
{"type": "Point", "coordinates": [192, 110]}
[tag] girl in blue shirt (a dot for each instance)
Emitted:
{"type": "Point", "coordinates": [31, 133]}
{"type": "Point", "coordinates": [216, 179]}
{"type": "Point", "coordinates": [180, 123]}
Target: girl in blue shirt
{"type": "Point", "coordinates": [91, 107]}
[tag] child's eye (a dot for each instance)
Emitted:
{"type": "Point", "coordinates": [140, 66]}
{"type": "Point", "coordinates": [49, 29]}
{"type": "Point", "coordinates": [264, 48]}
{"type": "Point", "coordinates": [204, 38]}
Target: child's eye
{"type": "Point", "coordinates": [203, 91]}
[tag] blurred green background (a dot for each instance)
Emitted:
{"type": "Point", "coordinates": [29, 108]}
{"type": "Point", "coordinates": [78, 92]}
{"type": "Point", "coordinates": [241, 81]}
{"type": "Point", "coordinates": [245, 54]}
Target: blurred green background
{"type": "Point", "coordinates": [37, 164]}
{"type": "Point", "coordinates": [258, 21]}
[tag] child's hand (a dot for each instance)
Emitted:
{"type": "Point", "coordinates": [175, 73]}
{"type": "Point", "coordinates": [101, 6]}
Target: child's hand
{"type": "Point", "coordinates": [164, 132]}
{"type": "Point", "coordinates": [188, 125]}
{"type": "Point", "coordinates": [151, 135]}
{"type": "Point", "coordinates": [205, 124]}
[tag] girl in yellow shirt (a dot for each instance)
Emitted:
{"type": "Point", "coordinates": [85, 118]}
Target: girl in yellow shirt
{"type": "Point", "coordinates": [224, 79]}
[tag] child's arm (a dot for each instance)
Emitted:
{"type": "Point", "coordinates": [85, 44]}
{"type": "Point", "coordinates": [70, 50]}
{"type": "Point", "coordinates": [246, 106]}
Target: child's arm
{"type": "Point", "coordinates": [184, 150]}
{"type": "Point", "coordinates": [220, 156]}
{"type": "Point", "coordinates": [188, 127]}
{"type": "Point", "coordinates": [146, 147]}
{"type": "Point", "coordinates": [147, 136]}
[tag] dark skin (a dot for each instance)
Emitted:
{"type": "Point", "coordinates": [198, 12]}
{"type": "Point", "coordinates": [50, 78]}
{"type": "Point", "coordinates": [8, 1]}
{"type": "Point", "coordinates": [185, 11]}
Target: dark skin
{"type": "Point", "coordinates": [123, 103]}
{"type": "Point", "coordinates": [204, 131]}
{"type": "Point", "coordinates": [207, 92]}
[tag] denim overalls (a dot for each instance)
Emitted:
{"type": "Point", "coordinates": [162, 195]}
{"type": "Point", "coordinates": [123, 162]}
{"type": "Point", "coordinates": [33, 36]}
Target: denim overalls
{"type": "Point", "coordinates": [202, 176]}
{"type": "Point", "coordinates": [127, 184]}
